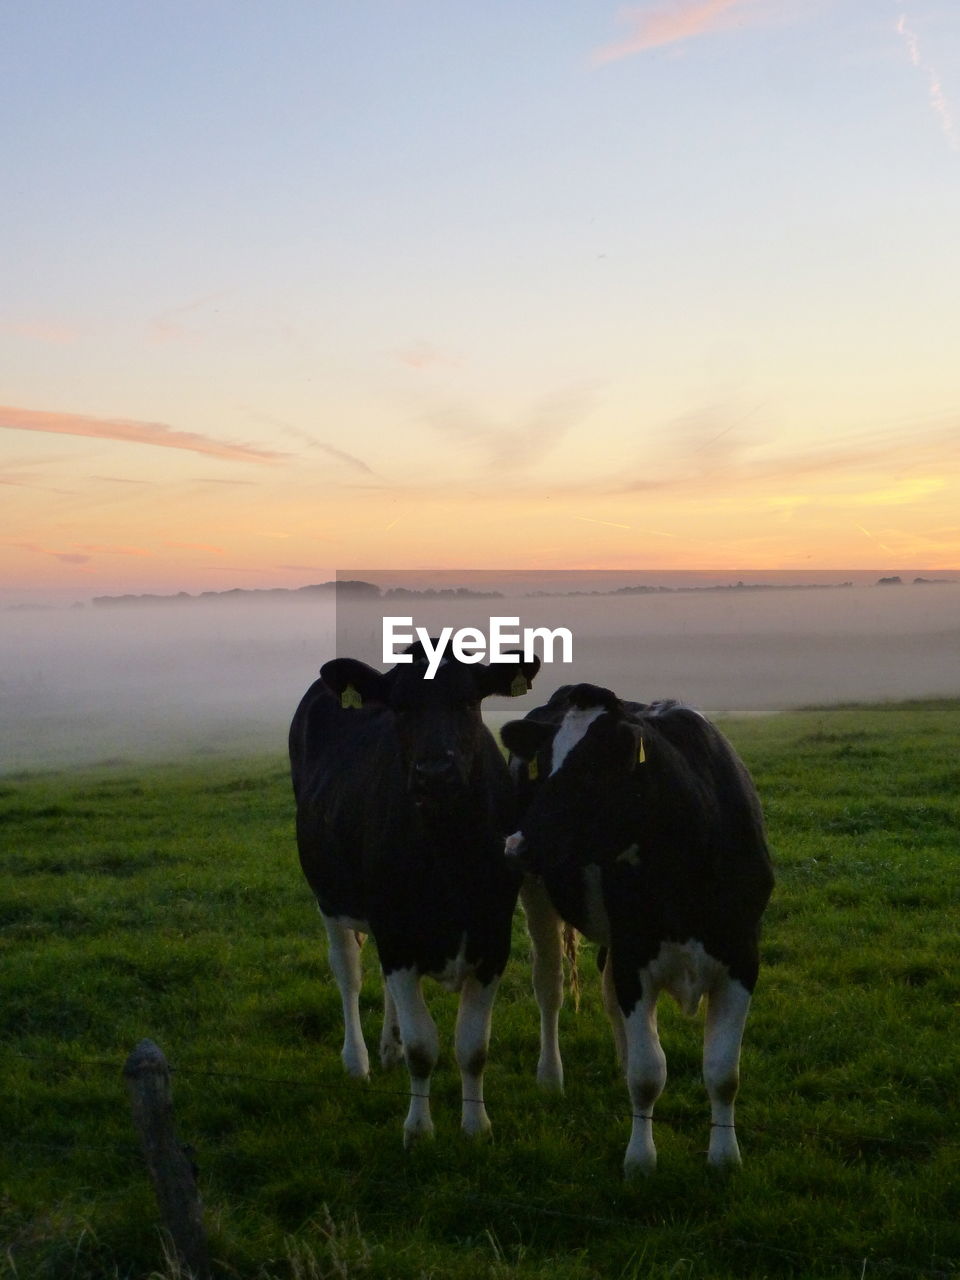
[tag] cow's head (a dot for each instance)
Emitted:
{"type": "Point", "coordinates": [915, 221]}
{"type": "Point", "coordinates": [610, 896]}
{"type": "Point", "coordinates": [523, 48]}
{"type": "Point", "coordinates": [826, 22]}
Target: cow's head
{"type": "Point", "coordinates": [581, 762]}
{"type": "Point", "coordinates": [438, 721]}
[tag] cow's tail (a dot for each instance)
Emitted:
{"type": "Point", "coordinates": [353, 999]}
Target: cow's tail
{"type": "Point", "coordinates": [571, 948]}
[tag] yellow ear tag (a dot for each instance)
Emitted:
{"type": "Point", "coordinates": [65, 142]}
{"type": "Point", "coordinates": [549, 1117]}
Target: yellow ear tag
{"type": "Point", "coordinates": [350, 699]}
{"type": "Point", "coordinates": [641, 754]}
{"type": "Point", "coordinates": [518, 686]}
{"type": "Point", "coordinates": [533, 770]}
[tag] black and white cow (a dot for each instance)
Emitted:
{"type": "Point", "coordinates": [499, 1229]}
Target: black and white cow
{"type": "Point", "coordinates": [646, 831]}
{"type": "Point", "coordinates": [403, 803]}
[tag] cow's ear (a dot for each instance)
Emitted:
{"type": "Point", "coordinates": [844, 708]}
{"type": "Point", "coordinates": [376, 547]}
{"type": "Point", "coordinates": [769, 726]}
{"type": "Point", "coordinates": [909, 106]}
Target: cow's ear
{"type": "Point", "coordinates": [509, 679]}
{"type": "Point", "coordinates": [524, 738]}
{"type": "Point", "coordinates": [345, 674]}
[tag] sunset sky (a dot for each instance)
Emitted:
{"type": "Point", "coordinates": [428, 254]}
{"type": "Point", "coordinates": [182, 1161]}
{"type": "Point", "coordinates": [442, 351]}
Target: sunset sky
{"type": "Point", "coordinates": [297, 286]}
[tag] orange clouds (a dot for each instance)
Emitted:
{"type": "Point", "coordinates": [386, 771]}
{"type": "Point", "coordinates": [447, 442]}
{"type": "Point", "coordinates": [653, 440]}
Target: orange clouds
{"type": "Point", "coordinates": [153, 433]}
{"type": "Point", "coordinates": [681, 21]}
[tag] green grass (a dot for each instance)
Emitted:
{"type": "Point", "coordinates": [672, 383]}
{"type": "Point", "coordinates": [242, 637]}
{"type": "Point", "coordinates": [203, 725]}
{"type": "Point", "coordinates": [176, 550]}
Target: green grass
{"type": "Point", "coordinates": [167, 902]}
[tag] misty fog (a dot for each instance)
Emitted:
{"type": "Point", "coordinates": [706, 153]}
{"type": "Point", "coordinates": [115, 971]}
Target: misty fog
{"type": "Point", "coordinates": [134, 682]}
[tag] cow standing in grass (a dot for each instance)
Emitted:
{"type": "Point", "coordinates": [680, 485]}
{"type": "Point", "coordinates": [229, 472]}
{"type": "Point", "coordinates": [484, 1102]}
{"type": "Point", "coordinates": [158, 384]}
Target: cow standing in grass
{"type": "Point", "coordinates": [403, 803]}
{"type": "Point", "coordinates": [645, 829]}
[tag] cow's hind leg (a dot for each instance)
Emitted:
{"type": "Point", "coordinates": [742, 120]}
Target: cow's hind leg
{"type": "Point", "coordinates": [646, 1076]}
{"type": "Point", "coordinates": [344, 954]}
{"type": "Point", "coordinates": [727, 1006]}
{"type": "Point", "coordinates": [472, 1042]}
{"type": "Point", "coordinates": [391, 1045]}
{"type": "Point", "coordinates": [614, 1013]}
{"type": "Point", "coordinates": [545, 928]}
{"type": "Point", "coordinates": [418, 1032]}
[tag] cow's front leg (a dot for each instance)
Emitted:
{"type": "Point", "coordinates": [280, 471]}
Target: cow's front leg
{"type": "Point", "coordinates": [344, 955]}
{"type": "Point", "coordinates": [545, 928]}
{"type": "Point", "coordinates": [472, 1042]}
{"type": "Point", "coordinates": [646, 1076]}
{"type": "Point", "coordinates": [727, 1006]}
{"type": "Point", "coordinates": [391, 1045]}
{"type": "Point", "coordinates": [418, 1032]}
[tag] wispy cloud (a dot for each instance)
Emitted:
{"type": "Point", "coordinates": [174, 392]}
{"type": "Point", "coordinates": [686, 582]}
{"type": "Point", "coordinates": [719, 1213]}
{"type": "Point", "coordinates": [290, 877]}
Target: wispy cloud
{"type": "Point", "coordinates": [684, 20]}
{"type": "Point", "coordinates": [513, 448]}
{"type": "Point", "coordinates": [197, 546]}
{"type": "Point", "coordinates": [65, 557]}
{"type": "Point", "coordinates": [108, 550]}
{"type": "Point", "coordinates": [40, 331]}
{"type": "Point", "coordinates": [424, 355]}
{"type": "Point", "coordinates": [296, 433]}
{"type": "Point", "coordinates": [610, 524]}
{"type": "Point", "coordinates": [883, 467]}
{"type": "Point", "coordinates": [935, 91]}
{"type": "Point", "coordinates": [151, 433]}
{"type": "Point", "coordinates": [348, 459]}
{"type": "Point", "coordinates": [168, 326]}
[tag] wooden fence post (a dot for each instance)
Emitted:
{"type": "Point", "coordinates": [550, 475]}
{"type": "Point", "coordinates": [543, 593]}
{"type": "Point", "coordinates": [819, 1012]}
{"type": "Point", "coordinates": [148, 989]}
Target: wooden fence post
{"type": "Point", "coordinates": [151, 1100]}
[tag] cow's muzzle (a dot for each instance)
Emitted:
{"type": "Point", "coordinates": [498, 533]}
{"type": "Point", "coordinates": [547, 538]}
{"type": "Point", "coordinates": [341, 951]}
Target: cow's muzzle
{"type": "Point", "coordinates": [434, 779]}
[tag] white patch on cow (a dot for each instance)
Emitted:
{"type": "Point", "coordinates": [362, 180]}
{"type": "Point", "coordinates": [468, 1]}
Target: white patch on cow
{"type": "Point", "coordinates": [418, 1032]}
{"type": "Point", "coordinates": [646, 1076]}
{"type": "Point", "coordinates": [727, 1008]}
{"type": "Point", "coordinates": [472, 1042]}
{"type": "Point", "coordinates": [546, 936]}
{"type": "Point", "coordinates": [391, 1044]}
{"type": "Point", "coordinates": [513, 844]}
{"type": "Point", "coordinates": [595, 912]}
{"type": "Point", "coordinates": [344, 955]}
{"type": "Point", "coordinates": [575, 724]}
{"type": "Point", "coordinates": [686, 972]}
{"type": "Point", "coordinates": [455, 971]}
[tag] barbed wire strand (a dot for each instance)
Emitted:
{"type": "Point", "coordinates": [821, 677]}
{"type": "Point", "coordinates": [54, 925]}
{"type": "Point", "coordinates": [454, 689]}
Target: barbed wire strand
{"type": "Point", "coordinates": [499, 1203]}
{"type": "Point", "coordinates": [360, 1088]}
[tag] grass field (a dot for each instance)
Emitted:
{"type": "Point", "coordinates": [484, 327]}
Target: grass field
{"type": "Point", "coordinates": [167, 902]}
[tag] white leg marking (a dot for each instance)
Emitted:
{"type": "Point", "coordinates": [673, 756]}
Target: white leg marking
{"type": "Point", "coordinates": [344, 954]}
{"type": "Point", "coordinates": [615, 1014]}
{"type": "Point", "coordinates": [545, 929]}
{"type": "Point", "coordinates": [420, 1048]}
{"type": "Point", "coordinates": [391, 1045]}
{"type": "Point", "coordinates": [472, 1042]}
{"type": "Point", "coordinates": [646, 1076]}
{"type": "Point", "coordinates": [727, 1006]}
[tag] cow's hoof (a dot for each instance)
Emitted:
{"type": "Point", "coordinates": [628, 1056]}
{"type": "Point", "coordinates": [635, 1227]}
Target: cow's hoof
{"type": "Point", "coordinates": [477, 1129]}
{"type": "Point", "coordinates": [356, 1068]}
{"type": "Point", "coordinates": [413, 1137]}
{"type": "Point", "coordinates": [728, 1162]}
{"type": "Point", "coordinates": [640, 1165]}
{"type": "Point", "coordinates": [724, 1151]}
{"type": "Point", "coordinates": [550, 1070]}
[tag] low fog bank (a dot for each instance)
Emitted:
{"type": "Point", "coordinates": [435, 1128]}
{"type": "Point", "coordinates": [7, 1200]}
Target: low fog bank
{"type": "Point", "coordinates": [84, 686]}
